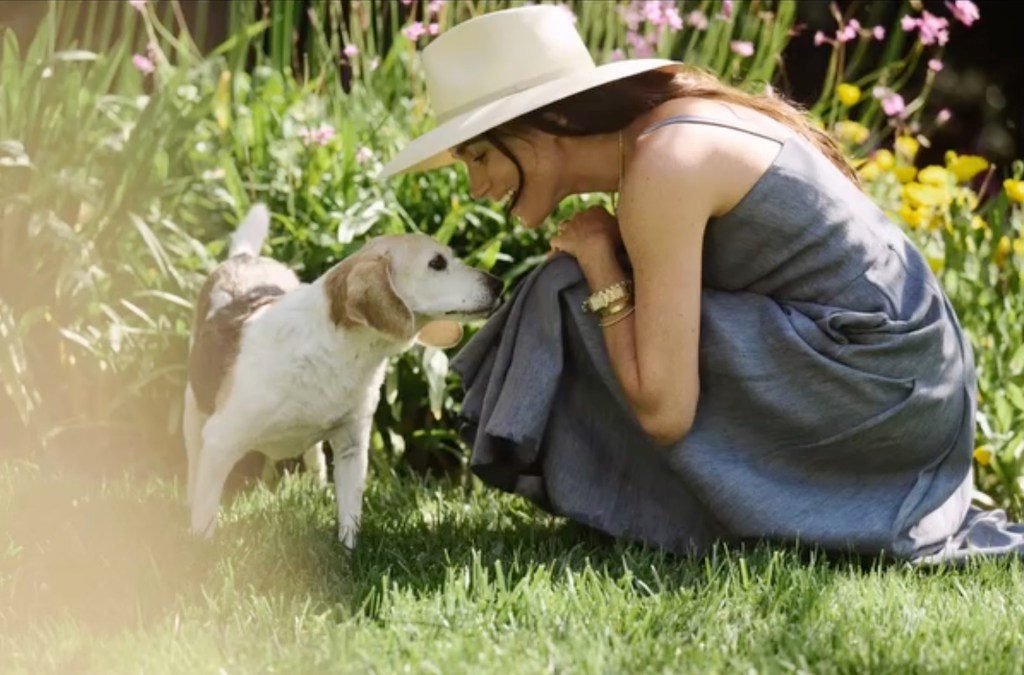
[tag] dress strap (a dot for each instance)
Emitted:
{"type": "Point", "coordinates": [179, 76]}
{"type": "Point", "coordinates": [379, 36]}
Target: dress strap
{"type": "Point", "coordinates": [694, 119]}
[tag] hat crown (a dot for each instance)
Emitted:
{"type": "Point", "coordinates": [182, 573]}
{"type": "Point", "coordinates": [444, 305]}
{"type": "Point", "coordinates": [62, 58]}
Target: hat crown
{"type": "Point", "coordinates": [498, 54]}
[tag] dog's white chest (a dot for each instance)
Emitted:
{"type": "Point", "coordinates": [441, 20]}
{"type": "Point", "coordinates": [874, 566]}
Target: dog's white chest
{"type": "Point", "coordinates": [303, 396]}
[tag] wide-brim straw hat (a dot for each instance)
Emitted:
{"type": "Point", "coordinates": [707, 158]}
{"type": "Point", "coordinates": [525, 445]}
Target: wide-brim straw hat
{"type": "Point", "coordinates": [495, 67]}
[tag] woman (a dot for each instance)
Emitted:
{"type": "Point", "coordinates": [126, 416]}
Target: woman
{"type": "Point", "coordinates": [770, 359]}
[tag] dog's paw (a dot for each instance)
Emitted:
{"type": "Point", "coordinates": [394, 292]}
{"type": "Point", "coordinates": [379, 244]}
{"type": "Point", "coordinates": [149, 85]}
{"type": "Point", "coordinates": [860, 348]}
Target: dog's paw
{"type": "Point", "coordinates": [204, 527]}
{"type": "Point", "coordinates": [347, 537]}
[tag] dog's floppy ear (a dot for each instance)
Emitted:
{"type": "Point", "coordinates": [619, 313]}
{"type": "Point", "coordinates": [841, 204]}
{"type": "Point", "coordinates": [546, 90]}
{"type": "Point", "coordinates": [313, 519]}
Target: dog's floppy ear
{"type": "Point", "coordinates": [362, 293]}
{"type": "Point", "coordinates": [441, 334]}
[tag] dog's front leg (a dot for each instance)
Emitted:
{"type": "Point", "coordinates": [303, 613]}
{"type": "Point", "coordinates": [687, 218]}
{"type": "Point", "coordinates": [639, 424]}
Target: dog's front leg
{"type": "Point", "coordinates": [351, 446]}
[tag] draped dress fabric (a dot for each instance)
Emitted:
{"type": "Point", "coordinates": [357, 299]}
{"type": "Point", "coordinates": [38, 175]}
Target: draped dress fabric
{"type": "Point", "coordinates": [837, 390]}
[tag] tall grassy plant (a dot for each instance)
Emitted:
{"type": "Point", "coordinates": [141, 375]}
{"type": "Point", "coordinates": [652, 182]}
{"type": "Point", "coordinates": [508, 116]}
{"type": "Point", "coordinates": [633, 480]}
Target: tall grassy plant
{"type": "Point", "coordinates": [94, 274]}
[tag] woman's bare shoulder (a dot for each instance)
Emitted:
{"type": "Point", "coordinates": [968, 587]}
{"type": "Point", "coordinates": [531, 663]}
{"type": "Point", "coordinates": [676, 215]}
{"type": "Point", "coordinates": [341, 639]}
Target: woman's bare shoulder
{"type": "Point", "coordinates": [729, 160]}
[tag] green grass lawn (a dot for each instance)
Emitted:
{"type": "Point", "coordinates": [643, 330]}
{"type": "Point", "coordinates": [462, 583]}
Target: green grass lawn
{"type": "Point", "coordinates": [449, 580]}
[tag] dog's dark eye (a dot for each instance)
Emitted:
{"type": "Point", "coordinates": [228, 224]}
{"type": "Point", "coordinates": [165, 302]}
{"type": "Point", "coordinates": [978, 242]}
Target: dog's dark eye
{"type": "Point", "coordinates": [438, 262]}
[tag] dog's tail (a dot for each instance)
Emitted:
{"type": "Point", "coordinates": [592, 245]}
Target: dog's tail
{"type": "Point", "coordinates": [248, 238]}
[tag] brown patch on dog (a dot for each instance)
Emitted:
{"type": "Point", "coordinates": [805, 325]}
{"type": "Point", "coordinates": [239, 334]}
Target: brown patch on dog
{"type": "Point", "coordinates": [226, 384]}
{"type": "Point", "coordinates": [247, 284]}
{"type": "Point", "coordinates": [361, 293]}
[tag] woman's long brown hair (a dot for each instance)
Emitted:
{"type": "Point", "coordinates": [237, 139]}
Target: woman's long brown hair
{"type": "Point", "coordinates": [614, 106]}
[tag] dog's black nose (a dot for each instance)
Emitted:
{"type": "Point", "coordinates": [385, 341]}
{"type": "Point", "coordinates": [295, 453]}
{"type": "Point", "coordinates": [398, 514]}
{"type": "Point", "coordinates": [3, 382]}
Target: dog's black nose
{"type": "Point", "coordinates": [494, 284]}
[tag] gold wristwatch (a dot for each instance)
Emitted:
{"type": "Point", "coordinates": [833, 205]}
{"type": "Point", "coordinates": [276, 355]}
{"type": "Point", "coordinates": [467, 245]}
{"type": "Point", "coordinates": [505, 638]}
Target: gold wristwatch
{"type": "Point", "coordinates": [606, 296]}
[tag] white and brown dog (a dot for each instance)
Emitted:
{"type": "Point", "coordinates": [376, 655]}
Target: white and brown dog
{"type": "Point", "coordinates": [279, 366]}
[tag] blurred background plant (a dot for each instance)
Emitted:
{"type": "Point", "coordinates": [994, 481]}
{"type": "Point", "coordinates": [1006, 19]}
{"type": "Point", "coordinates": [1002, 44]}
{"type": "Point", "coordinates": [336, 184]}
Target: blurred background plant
{"type": "Point", "coordinates": [130, 144]}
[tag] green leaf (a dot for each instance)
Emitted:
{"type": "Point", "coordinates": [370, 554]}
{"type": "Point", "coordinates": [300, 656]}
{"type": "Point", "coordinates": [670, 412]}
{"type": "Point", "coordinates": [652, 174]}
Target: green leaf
{"type": "Point", "coordinates": [1016, 395]}
{"type": "Point", "coordinates": [435, 369]}
{"type": "Point", "coordinates": [72, 55]}
{"type": "Point", "coordinates": [489, 255]}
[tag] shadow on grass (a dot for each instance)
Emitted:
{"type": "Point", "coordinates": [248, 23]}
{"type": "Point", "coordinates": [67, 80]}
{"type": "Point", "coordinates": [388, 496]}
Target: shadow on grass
{"type": "Point", "coordinates": [96, 554]}
{"type": "Point", "coordinates": [117, 555]}
{"type": "Point", "coordinates": [419, 554]}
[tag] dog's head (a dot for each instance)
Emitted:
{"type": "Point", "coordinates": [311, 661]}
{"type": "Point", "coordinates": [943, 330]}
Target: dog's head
{"type": "Point", "coordinates": [409, 286]}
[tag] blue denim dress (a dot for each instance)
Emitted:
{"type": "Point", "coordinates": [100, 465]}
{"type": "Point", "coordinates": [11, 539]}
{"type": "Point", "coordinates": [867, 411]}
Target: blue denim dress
{"type": "Point", "coordinates": [837, 390]}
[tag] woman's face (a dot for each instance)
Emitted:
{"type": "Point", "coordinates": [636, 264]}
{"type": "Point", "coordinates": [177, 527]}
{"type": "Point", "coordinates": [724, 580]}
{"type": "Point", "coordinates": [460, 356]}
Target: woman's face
{"type": "Point", "coordinates": [492, 175]}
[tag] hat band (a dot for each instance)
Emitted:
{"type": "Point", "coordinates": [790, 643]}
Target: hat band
{"type": "Point", "coordinates": [514, 88]}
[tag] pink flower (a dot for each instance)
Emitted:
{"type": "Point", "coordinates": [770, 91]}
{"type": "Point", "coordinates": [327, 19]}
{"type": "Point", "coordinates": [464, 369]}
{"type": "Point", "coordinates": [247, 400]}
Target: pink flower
{"type": "Point", "coordinates": [350, 51]}
{"type": "Point", "coordinates": [143, 64]}
{"type": "Point", "coordinates": [849, 31]}
{"type": "Point", "coordinates": [616, 55]}
{"type": "Point", "coordinates": [820, 39]}
{"type": "Point", "coordinates": [406, 2]}
{"type": "Point", "coordinates": [878, 32]}
{"type": "Point", "coordinates": [643, 51]}
{"type": "Point", "coordinates": [909, 23]}
{"type": "Point", "coordinates": [434, 7]}
{"type": "Point", "coordinates": [697, 19]}
{"type": "Point", "coordinates": [631, 16]}
{"type": "Point", "coordinates": [933, 29]}
{"type": "Point", "coordinates": [672, 18]}
{"type": "Point", "coordinates": [433, 29]}
{"type": "Point", "coordinates": [363, 155]}
{"type": "Point", "coordinates": [320, 136]}
{"type": "Point", "coordinates": [934, 65]}
{"type": "Point", "coordinates": [639, 45]}
{"type": "Point", "coordinates": [742, 47]}
{"type": "Point", "coordinates": [943, 116]}
{"type": "Point", "coordinates": [727, 8]}
{"type": "Point", "coordinates": [893, 105]}
{"type": "Point", "coordinates": [414, 31]}
{"type": "Point", "coordinates": [140, 5]}
{"type": "Point", "coordinates": [651, 11]}
{"type": "Point", "coordinates": [964, 11]}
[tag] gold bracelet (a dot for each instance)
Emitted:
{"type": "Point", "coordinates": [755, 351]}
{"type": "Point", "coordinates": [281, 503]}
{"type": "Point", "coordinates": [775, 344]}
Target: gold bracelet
{"type": "Point", "coordinates": [613, 319]}
{"type": "Point", "coordinates": [614, 308]}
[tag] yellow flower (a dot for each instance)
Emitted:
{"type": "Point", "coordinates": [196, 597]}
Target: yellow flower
{"type": "Point", "coordinates": [937, 220]}
{"type": "Point", "coordinates": [852, 132]}
{"type": "Point", "coordinates": [1003, 250]}
{"type": "Point", "coordinates": [1014, 189]}
{"type": "Point", "coordinates": [870, 171]}
{"type": "Point", "coordinates": [936, 263]}
{"type": "Point", "coordinates": [885, 160]}
{"type": "Point", "coordinates": [907, 146]}
{"type": "Point", "coordinates": [967, 198]}
{"type": "Point", "coordinates": [918, 194]}
{"type": "Point", "coordinates": [933, 175]}
{"type": "Point", "coordinates": [983, 455]}
{"type": "Point", "coordinates": [978, 223]}
{"type": "Point", "coordinates": [905, 174]}
{"type": "Point", "coordinates": [965, 167]}
{"type": "Point", "coordinates": [911, 216]}
{"type": "Point", "coordinates": [848, 94]}
{"type": "Point", "coordinates": [1018, 246]}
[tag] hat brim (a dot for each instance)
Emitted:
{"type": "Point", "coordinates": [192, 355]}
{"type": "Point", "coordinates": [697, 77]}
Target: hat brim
{"type": "Point", "coordinates": [432, 150]}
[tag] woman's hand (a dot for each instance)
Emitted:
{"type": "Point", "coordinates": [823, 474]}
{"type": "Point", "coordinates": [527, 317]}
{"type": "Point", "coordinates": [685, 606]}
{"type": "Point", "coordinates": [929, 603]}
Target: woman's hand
{"type": "Point", "coordinates": [588, 234]}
